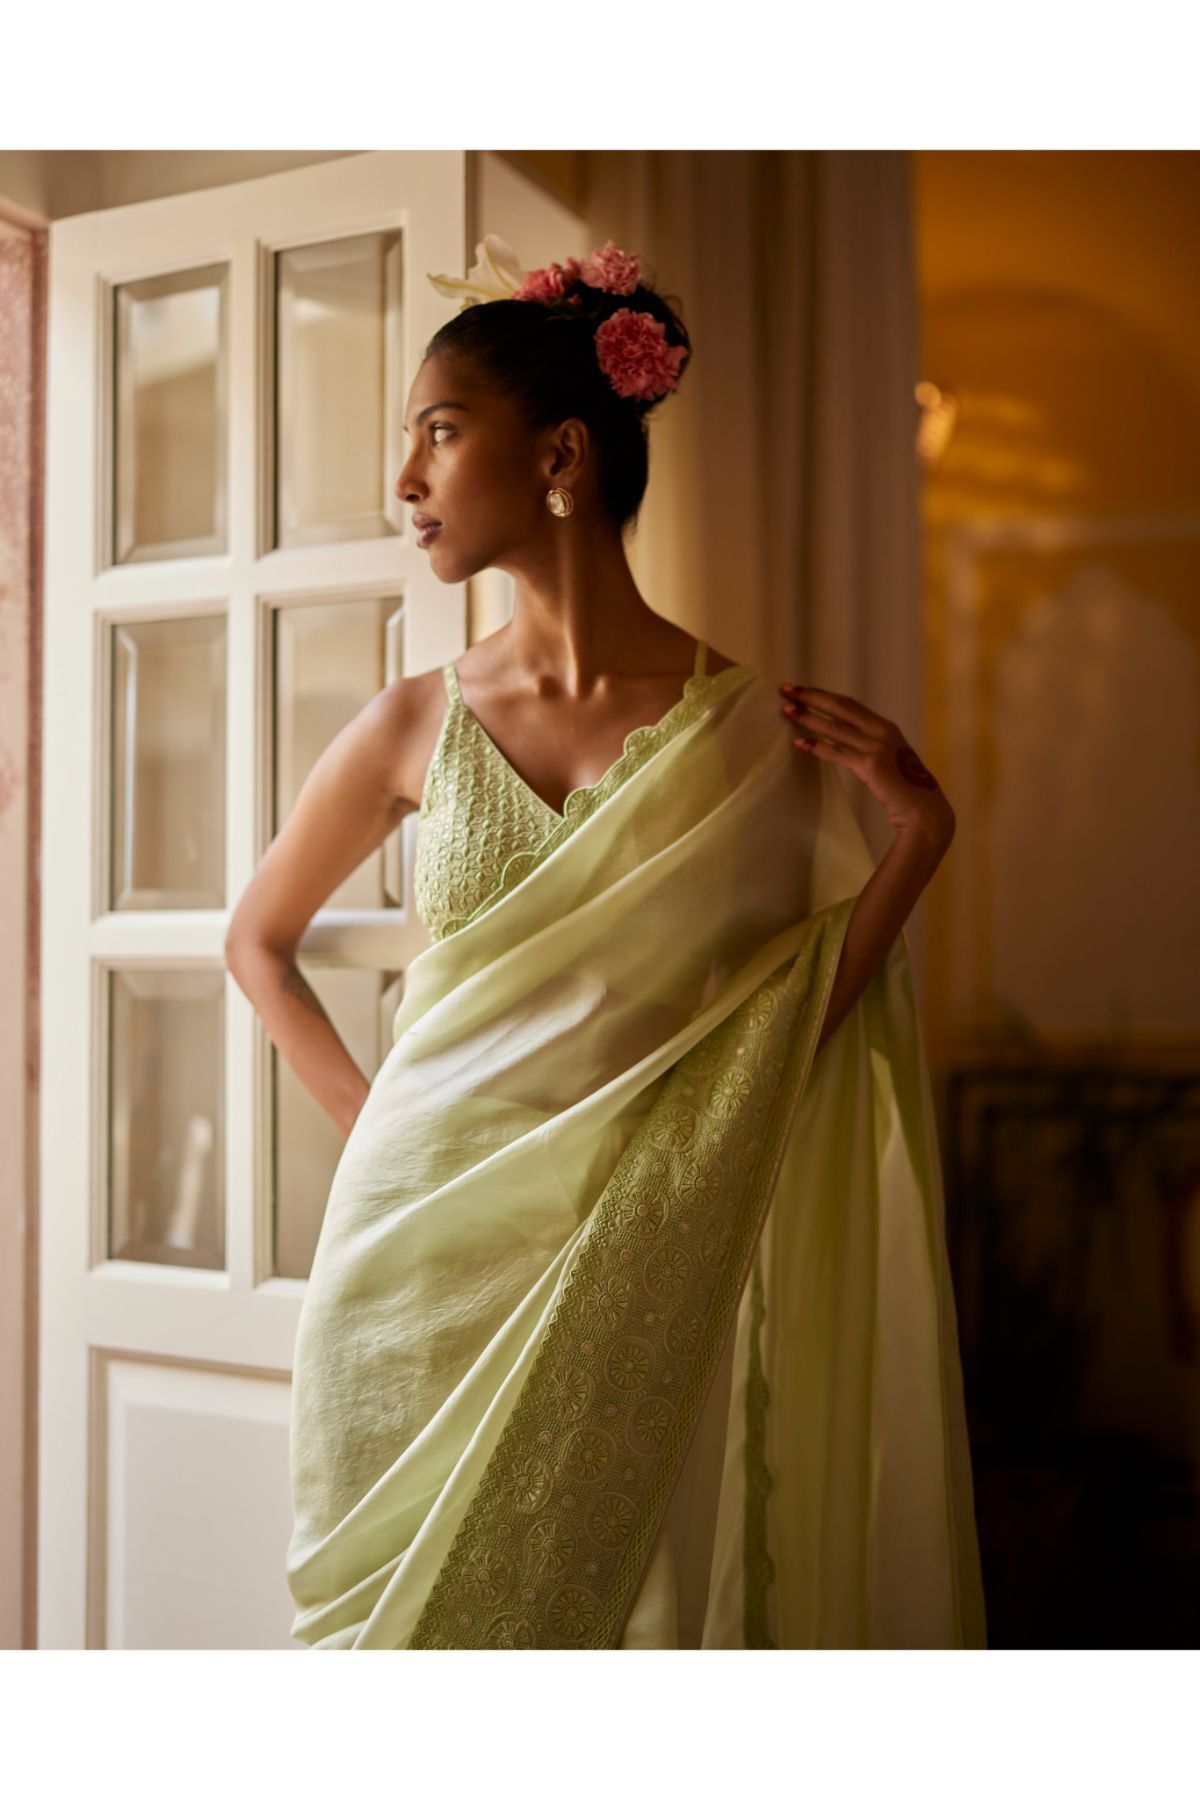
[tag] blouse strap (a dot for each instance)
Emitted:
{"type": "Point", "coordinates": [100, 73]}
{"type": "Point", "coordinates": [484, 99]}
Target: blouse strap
{"type": "Point", "coordinates": [451, 676]}
{"type": "Point", "coordinates": [701, 656]}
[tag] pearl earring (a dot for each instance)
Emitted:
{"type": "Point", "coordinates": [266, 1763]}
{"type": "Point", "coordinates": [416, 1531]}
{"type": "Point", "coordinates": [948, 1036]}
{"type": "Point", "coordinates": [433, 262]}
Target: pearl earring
{"type": "Point", "coordinates": [560, 501]}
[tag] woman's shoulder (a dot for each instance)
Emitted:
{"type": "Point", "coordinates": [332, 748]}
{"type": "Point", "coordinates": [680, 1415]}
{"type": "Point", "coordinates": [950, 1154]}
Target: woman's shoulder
{"type": "Point", "coordinates": [410, 710]}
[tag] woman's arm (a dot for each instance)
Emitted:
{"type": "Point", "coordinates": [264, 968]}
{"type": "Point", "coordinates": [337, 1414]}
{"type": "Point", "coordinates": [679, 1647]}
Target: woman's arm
{"type": "Point", "coordinates": [346, 808]}
{"type": "Point", "coordinates": [843, 730]}
{"type": "Point", "coordinates": [877, 917]}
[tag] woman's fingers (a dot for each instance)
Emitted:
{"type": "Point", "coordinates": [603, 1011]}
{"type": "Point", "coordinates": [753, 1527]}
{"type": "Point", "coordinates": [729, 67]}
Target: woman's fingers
{"type": "Point", "coordinates": [840, 730]}
{"type": "Point", "coordinates": [842, 707]}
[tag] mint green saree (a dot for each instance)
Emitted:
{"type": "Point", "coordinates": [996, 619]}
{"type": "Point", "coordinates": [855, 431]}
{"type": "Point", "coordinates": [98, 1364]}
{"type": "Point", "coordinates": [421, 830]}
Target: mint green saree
{"type": "Point", "coordinates": [629, 1323]}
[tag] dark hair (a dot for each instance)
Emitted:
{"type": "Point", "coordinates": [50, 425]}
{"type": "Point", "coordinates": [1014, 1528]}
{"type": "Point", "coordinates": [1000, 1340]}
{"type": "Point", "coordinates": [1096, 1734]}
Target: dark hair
{"type": "Point", "coordinates": [543, 356]}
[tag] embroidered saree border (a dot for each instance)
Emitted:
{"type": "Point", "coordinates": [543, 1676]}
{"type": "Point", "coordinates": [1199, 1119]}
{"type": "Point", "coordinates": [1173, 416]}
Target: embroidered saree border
{"type": "Point", "coordinates": [758, 1568]}
{"type": "Point", "coordinates": [554, 1543]}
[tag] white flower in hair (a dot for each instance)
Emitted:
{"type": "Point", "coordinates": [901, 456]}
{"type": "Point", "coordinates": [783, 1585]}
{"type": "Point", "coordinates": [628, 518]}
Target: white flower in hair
{"type": "Point", "coordinates": [495, 275]}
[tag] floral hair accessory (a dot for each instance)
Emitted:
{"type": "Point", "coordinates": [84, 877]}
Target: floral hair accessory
{"type": "Point", "coordinates": [494, 275]}
{"type": "Point", "coordinates": [612, 270]}
{"type": "Point", "coordinates": [548, 285]}
{"type": "Point", "coordinates": [634, 353]}
{"type": "Point", "coordinates": [631, 345]}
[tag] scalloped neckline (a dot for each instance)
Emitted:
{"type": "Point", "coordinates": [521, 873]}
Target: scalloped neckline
{"type": "Point", "coordinates": [641, 745]}
{"type": "Point", "coordinates": [693, 685]}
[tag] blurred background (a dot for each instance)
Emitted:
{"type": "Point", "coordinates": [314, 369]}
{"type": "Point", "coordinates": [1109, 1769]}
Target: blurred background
{"type": "Point", "coordinates": [938, 447]}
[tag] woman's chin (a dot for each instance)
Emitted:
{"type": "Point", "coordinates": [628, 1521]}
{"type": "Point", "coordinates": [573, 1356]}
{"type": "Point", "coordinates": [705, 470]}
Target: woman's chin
{"type": "Point", "coordinates": [438, 561]}
{"type": "Point", "coordinates": [450, 569]}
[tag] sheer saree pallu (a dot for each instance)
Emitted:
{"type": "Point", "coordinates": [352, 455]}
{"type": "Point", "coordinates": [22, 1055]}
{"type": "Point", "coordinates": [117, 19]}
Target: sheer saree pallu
{"type": "Point", "coordinates": [629, 1323]}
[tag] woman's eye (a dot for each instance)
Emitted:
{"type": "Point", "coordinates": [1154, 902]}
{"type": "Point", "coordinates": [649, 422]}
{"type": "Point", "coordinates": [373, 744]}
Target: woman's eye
{"type": "Point", "coordinates": [440, 425]}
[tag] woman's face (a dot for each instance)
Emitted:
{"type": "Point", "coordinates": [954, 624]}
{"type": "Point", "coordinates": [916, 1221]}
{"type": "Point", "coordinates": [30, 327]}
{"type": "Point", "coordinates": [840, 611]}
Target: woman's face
{"type": "Point", "coordinates": [472, 464]}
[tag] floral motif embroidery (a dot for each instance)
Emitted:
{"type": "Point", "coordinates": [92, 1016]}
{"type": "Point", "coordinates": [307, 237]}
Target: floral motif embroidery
{"type": "Point", "coordinates": [666, 1270]}
{"type": "Point", "coordinates": [509, 1631]}
{"type": "Point", "coordinates": [672, 1128]}
{"type": "Point", "coordinates": [528, 1483]}
{"type": "Point", "coordinates": [683, 1332]}
{"type": "Point", "coordinates": [629, 1363]}
{"type": "Point", "coordinates": [645, 1212]}
{"type": "Point", "coordinates": [490, 1573]}
{"type": "Point", "coordinates": [730, 1093]}
{"type": "Point", "coordinates": [608, 1301]}
{"type": "Point", "coordinates": [571, 1390]}
{"type": "Point", "coordinates": [701, 1180]}
{"type": "Point", "coordinates": [611, 1519]}
{"type": "Point", "coordinates": [589, 1453]}
{"type": "Point", "coordinates": [549, 1546]}
{"type": "Point", "coordinates": [761, 1009]}
{"type": "Point", "coordinates": [572, 1612]}
{"type": "Point", "coordinates": [704, 1057]}
{"type": "Point", "coordinates": [648, 1426]}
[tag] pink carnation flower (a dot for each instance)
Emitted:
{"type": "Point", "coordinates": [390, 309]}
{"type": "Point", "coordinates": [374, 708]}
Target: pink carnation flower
{"type": "Point", "coordinates": [545, 285]}
{"type": "Point", "coordinates": [548, 285]}
{"type": "Point", "coordinates": [632, 350]}
{"type": "Point", "coordinates": [612, 269]}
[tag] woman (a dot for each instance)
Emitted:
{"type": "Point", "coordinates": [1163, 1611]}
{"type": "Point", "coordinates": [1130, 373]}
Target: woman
{"type": "Point", "coordinates": [629, 1323]}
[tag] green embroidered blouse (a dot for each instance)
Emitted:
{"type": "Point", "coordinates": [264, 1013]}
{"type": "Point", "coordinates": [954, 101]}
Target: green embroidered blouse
{"type": "Point", "coordinates": [482, 827]}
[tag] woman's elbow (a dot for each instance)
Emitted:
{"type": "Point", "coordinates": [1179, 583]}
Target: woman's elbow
{"type": "Point", "coordinates": [243, 944]}
{"type": "Point", "coordinates": [235, 948]}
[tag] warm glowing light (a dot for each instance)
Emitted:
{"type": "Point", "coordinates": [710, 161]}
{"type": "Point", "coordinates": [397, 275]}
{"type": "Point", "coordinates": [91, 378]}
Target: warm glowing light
{"type": "Point", "coordinates": [939, 415]}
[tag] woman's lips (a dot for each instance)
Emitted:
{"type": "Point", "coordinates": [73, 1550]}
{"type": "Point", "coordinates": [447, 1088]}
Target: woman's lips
{"type": "Point", "coordinates": [427, 534]}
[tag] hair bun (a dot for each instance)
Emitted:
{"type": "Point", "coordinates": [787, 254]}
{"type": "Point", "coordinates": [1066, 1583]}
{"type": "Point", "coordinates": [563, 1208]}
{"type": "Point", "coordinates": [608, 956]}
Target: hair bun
{"type": "Point", "coordinates": [626, 353]}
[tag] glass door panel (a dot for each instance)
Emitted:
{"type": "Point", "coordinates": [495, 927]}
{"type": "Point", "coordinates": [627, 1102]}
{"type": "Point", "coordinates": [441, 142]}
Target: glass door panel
{"type": "Point", "coordinates": [170, 416]}
{"type": "Point", "coordinates": [167, 768]}
{"type": "Point", "coordinates": [166, 1136]}
{"type": "Point", "coordinates": [339, 389]}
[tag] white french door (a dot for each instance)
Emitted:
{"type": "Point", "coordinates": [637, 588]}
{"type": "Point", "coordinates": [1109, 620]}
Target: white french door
{"type": "Point", "coordinates": [228, 579]}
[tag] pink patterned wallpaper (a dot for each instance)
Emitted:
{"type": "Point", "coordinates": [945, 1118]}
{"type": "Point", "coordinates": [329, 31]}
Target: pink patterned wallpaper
{"type": "Point", "coordinates": [23, 260]}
